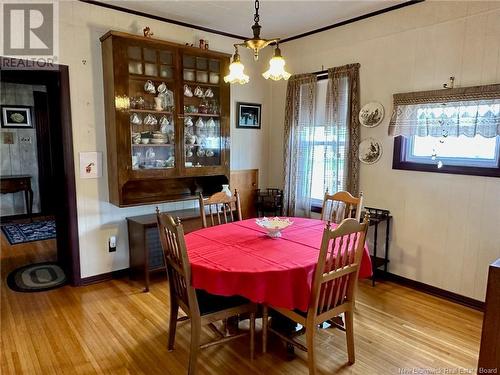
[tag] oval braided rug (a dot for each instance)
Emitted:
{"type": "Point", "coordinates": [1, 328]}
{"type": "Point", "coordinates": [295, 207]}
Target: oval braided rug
{"type": "Point", "coordinates": [36, 277]}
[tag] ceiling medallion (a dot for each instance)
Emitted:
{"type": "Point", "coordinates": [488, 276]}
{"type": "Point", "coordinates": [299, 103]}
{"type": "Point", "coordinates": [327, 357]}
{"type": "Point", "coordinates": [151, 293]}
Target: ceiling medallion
{"type": "Point", "coordinates": [276, 69]}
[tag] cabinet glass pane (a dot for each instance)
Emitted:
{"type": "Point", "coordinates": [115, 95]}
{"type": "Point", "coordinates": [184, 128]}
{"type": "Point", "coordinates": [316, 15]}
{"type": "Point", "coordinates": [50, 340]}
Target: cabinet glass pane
{"type": "Point", "coordinates": [214, 66]}
{"type": "Point", "coordinates": [203, 141]}
{"type": "Point", "coordinates": [188, 61]}
{"type": "Point", "coordinates": [135, 67]}
{"type": "Point", "coordinates": [149, 55]}
{"type": "Point", "coordinates": [189, 75]}
{"type": "Point", "coordinates": [201, 63]}
{"type": "Point", "coordinates": [214, 78]}
{"type": "Point", "coordinates": [150, 69]}
{"type": "Point", "coordinates": [166, 72]}
{"type": "Point", "coordinates": [166, 57]}
{"type": "Point", "coordinates": [202, 76]}
{"type": "Point", "coordinates": [134, 52]}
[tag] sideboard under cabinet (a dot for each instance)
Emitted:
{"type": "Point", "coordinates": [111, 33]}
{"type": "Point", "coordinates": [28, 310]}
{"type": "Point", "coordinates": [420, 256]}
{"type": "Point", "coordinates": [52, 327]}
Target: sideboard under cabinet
{"type": "Point", "coordinates": [167, 119]}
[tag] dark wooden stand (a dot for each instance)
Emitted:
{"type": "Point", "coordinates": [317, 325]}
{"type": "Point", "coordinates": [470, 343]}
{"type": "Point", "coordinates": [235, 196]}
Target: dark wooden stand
{"type": "Point", "coordinates": [377, 216]}
{"type": "Point", "coordinates": [145, 252]}
{"type": "Point", "coordinates": [489, 353]}
{"type": "Point", "coordinates": [15, 183]}
{"type": "Point", "coordinates": [269, 201]}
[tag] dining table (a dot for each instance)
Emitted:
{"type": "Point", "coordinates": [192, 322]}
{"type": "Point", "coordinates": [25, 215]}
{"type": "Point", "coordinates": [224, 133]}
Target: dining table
{"type": "Point", "coordinates": [239, 258]}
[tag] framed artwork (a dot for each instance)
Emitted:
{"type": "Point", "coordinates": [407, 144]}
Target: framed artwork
{"type": "Point", "coordinates": [16, 116]}
{"type": "Point", "coordinates": [249, 115]}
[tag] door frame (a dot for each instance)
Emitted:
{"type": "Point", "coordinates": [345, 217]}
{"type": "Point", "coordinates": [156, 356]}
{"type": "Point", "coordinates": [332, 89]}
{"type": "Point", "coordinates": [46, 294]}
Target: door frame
{"type": "Point", "coordinates": [56, 79]}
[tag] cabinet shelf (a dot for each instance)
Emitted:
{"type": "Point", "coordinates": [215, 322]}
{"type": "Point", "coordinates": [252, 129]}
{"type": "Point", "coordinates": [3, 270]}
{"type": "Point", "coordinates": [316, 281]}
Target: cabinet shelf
{"type": "Point", "coordinates": [152, 111]}
{"type": "Point", "coordinates": [152, 145]}
{"type": "Point", "coordinates": [192, 114]}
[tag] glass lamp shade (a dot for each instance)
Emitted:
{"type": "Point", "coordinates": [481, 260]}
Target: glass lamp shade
{"type": "Point", "coordinates": [236, 74]}
{"type": "Point", "coordinates": [276, 69]}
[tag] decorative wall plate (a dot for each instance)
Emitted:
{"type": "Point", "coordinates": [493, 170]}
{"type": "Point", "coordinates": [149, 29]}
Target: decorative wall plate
{"type": "Point", "coordinates": [371, 114]}
{"type": "Point", "coordinates": [370, 151]}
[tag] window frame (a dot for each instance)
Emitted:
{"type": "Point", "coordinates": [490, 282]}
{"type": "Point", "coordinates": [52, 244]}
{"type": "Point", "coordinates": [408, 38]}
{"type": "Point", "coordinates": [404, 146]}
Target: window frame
{"type": "Point", "coordinates": [399, 162]}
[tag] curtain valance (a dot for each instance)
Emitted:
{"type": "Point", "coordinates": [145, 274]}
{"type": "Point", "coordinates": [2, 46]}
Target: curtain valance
{"type": "Point", "coordinates": [465, 111]}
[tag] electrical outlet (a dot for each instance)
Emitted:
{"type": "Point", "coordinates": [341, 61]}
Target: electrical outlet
{"type": "Point", "coordinates": [112, 244]}
{"type": "Point", "coordinates": [25, 139]}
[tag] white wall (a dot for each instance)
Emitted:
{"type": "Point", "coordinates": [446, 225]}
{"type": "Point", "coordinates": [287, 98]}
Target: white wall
{"type": "Point", "coordinates": [81, 25]}
{"type": "Point", "coordinates": [445, 229]}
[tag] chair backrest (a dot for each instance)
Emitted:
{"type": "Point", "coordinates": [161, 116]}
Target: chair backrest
{"type": "Point", "coordinates": [176, 260]}
{"type": "Point", "coordinates": [220, 208]}
{"type": "Point", "coordinates": [337, 270]}
{"type": "Point", "coordinates": [340, 206]}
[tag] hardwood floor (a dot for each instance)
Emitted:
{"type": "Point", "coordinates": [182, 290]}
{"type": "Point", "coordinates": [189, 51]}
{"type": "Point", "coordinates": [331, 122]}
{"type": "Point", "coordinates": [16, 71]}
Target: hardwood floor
{"type": "Point", "coordinates": [114, 328]}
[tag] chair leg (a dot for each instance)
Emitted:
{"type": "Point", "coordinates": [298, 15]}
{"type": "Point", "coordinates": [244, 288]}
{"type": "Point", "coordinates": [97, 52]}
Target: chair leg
{"type": "Point", "coordinates": [265, 313]}
{"type": "Point", "coordinates": [195, 345]}
{"type": "Point", "coordinates": [349, 330]}
{"type": "Point", "coordinates": [172, 326]}
{"type": "Point", "coordinates": [311, 360]}
{"type": "Point", "coordinates": [252, 336]}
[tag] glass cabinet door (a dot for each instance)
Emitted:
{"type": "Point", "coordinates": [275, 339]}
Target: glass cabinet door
{"type": "Point", "coordinates": [151, 107]}
{"type": "Point", "coordinates": [202, 125]}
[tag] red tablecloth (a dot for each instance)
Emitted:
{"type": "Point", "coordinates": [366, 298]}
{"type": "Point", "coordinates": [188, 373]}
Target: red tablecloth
{"type": "Point", "coordinates": [238, 258]}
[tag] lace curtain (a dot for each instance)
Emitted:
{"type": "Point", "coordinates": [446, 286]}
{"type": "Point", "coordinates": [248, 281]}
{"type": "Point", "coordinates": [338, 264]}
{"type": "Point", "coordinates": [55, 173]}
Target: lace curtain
{"type": "Point", "coordinates": [299, 136]}
{"type": "Point", "coordinates": [342, 129]}
{"type": "Point", "coordinates": [466, 111]}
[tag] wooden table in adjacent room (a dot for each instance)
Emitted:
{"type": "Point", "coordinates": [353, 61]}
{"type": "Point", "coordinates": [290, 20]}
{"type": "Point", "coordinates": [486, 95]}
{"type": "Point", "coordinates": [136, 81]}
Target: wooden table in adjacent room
{"type": "Point", "coordinates": [15, 183]}
{"type": "Point", "coordinates": [240, 259]}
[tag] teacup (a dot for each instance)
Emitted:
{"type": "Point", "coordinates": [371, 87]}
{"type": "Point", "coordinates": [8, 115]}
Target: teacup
{"type": "Point", "coordinates": [209, 153]}
{"type": "Point", "coordinates": [150, 120]}
{"type": "Point", "coordinates": [162, 88]}
{"type": "Point", "coordinates": [200, 152]}
{"type": "Point", "coordinates": [144, 141]}
{"type": "Point", "coordinates": [210, 123]}
{"type": "Point", "coordinates": [191, 139]}
{"type": "Point", "coordinates": [189, 152]}
{"type": "Point", "coordinates": [164, 120]}
{"type": "Point", "coordinates": [188, 121]}
{"type": "Point", "coordinates": [149, 87]}
{"type": "Point", "coordinates": [135, 119]}
{"type": "Point", "coordinates": [200, 123]}
{"type": "Point", "coordinates": [198, 92]}
{"type": "Point", "coordinates": [209, 93]}
{"type": "Point", "coordinates": [187, 91]}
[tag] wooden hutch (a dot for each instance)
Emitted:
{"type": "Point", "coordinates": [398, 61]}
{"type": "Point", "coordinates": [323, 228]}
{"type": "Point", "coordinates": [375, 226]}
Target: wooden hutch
{"type": "Point", "coordinates": [167, 119]}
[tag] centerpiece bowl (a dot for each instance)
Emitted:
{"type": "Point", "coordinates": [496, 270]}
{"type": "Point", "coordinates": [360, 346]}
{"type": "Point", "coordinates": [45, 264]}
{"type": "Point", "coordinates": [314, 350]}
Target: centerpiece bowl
{"type": "Point", "coordinates": [274, 225]}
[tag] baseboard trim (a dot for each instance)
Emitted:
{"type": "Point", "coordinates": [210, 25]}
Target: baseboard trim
{"type": "Point", "coordinates": [432, 290]}
{"type": "Point", "coordinates": [103, 277]}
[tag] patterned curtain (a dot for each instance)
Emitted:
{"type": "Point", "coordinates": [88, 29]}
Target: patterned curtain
{"type": "Point", "coordinates": [342, 129]}
{"type": "Point", "coordinates": [299, 138]}
{"type": "Point", "coordinates": [465, 111]}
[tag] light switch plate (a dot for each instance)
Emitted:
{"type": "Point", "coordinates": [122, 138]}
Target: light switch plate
{"type": "Point", "coordinates": [25, 139]}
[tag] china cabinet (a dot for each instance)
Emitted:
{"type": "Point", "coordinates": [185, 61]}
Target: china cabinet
{"type": "Point", "coordinates": [167, 119]}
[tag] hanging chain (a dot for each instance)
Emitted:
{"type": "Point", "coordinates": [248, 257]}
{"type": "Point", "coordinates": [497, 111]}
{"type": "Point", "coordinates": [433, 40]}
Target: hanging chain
{"type": "Point", "coordinates": [256, 17]}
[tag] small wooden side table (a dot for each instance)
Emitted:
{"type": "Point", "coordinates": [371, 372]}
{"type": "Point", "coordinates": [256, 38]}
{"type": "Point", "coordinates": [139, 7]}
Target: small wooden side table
{"type": "Point", "coordinates": [145, 251]}
{"type": "Point", "coordinates": [377, 216]}
{"type": "Point", "coordinates": [15, 183]}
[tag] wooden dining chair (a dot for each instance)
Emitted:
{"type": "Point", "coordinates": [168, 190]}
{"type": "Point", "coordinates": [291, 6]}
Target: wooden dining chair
{"type": "Point", "coordinates": [340, 206]}
{"type": "Point", "coordinates": [333, 287]}
{"type": "Point", "coordinates": [221, 208]}
{"type": "Point", "coordinates": [199, 306]}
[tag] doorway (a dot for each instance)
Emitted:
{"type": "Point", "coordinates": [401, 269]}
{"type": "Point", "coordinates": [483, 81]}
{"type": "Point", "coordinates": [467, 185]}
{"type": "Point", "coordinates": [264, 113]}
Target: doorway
{"type": "Point", "coordinates": [54, 149]}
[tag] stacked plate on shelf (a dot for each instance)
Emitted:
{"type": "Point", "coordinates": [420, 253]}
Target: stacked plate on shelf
{"type": "Point", "coordinates": [159, 138]}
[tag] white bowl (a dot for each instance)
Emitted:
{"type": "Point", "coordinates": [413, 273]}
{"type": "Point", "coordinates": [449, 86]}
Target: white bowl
{"type": "Point", "coordinates": [274, 225]}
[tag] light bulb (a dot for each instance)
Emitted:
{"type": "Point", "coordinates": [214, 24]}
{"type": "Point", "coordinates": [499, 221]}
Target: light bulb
{"type": "Point", "coordinates": [276, 69]}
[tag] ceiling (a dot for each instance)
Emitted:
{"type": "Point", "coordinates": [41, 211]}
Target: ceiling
{"type": "Point", "coordinates": [279, 18]}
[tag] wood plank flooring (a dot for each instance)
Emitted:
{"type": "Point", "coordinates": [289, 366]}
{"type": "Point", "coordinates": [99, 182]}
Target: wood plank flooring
{"type": "Point", "coordinates": [114, 328]}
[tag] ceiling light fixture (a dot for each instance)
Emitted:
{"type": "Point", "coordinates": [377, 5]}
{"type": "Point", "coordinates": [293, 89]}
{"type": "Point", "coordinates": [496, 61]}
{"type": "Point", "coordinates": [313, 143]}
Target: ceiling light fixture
{"type": "Point", "coordinates": [276, 69]}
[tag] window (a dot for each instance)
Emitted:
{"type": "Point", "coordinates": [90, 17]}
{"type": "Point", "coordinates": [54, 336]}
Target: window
{"type": "Point", "coordinates": [329, 146]}
{"type": "Point", "coordinates": [460, 135]}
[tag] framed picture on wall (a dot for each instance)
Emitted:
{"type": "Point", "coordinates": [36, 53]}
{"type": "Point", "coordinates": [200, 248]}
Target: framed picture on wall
{"type": "Point", "coordinates": [249, 115]}
{"type": "Point", "coordinates": [16, 116]}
